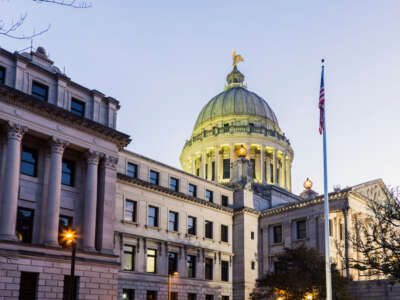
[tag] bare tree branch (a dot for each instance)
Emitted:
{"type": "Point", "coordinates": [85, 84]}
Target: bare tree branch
{"type": "Point", "coordinates": [69, 3]}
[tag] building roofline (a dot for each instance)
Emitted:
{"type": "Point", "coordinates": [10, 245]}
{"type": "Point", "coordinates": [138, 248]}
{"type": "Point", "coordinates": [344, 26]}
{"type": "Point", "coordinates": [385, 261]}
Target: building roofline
{"type": "Point", "coordinates": [15, 97]}
{"type": "Point", "coordinates": [177, 170]}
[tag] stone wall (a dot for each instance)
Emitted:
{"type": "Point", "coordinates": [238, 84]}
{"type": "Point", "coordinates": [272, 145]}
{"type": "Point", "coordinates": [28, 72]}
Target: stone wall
{"type": "Point", "coordinates": [96, 281]}
{"type": "Point", "coordinates": [375, 290]}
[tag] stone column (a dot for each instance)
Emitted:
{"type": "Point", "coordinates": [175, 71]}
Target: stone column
{"type": "Point", "coordinates": [285, 171]}
{"type": "Point", "coordinates": [216, 163]}
{"type": "Point", "coordinates": [9, 201]}
{"type": "Point", "coordinates": [276, 167]}
{"type": "Point", "coordinates": [203, 165]}
{"type": "Point", "coordinates": [232, 152]}
{"type": "Point", "coordinates": [194, 165]}
{"type": "Point", "coordinates": [105, 207]}
{"type": "Point", "coordinates": [90, 201]}
{"type": "Point", "coordinates": [262, 166]}
{"type": "Point", "coordinates": [54, 195]}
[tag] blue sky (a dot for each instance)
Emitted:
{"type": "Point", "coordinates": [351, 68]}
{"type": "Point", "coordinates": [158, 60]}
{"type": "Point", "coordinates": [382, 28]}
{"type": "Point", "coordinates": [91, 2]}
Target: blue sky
{"type": "Point", "coordinates": [163, 60]}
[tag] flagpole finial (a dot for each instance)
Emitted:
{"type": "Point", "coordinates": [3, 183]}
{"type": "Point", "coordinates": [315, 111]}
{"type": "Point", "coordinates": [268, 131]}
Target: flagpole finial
{"type": "Point", "coordinates": [322, 60]}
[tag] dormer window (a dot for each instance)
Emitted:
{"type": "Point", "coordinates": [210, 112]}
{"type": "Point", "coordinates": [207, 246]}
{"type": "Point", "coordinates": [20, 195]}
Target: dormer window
{"type": "Point", "coordinates": [2, 75]}
{"type": "Point", "coordinates": [40, 91]}
{"type": "Point", "coordinates": [78, 107]}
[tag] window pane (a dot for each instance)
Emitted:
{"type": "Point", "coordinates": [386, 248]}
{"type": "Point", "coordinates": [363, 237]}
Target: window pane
{"type": "Point", "coordinates": [68, 172]}
{"type": "Point", "coordinates": [209, 229]}
{"type": "Point", "coordinates": [224, 271]}
{"type": "Point", "coordinates": [78, 107]}
{"type": "Point", "coordinates": [172, 262]}
{"type": "Point", "coordinates": [209, 269]}
{"type": "Point", "coordinates": [174, 184]}
{"type": "Point", "coordinates": [224, 233]}
{"type": "Point", "coordinates": [65, 223]}
{"type": "Point", "coordinates": [209, 196]}
{"type": "Point", "coordinates": [2, 75]}
{"type": "Point", "coordinates": [224, 200]}
{"type": "Point", "coordinates": [227, 168]}
{"type": "Point", "coordinates": [128, 294]}
{"type": "Point", "coordinates": [192, 225]}
{"type": "Point", "coordinates": [191, 266]}
{"type": "Point", "coordinates": [39, 91]}
{"type": "Point", "coordinates": [277, 234]}
{"type": "Point", "coordinates": [192, 190]}
{"type": "Point", "coordinates": [301, 230]}
{"type": "Point", "coordinates": [151, 263]}
{"type": "Point", "coordinates": [24, 224]}
{"type": "Point", "coordinates": [154, 177]}
{"type": "Point", "coordinates": [132, 170]}
{"type": "Point", "coordinates": [130, 210]}
{"type": "Point", "coordinates": [128, 258]}
{"type": "Point", "coordinates": [29, 158]}
{"type": "Point", "coordinates": [153, 216]}
{"type": "Point", "coordinates": [173, 221]}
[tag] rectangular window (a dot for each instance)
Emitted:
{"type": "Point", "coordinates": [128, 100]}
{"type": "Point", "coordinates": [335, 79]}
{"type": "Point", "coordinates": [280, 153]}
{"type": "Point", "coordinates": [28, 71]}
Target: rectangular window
{"type": "Point", "coordinates": [209, 265]}
{"type": "Point", "coordinates": [151, 295]}
{"type": "Point", "coordinates": [226, 168]}
{"type": "Point", "coordinates": [252, 235]}
{"type": "Point", "coordinates": [213, 171]}
{"type": "Point", "coordinates": [68, 172]}
{"type": "Point", "coordinates": [65, 223]}
{"type": "Point", "coordinates": [130, 210]}
{"type": "Point", "coordinates": [154, 177]}
{"type": "Point", "coordinates": [206, 171]}
{"type": "Point", "coordinates": [277, 234]}
{"type": "Point", "coordinates": [128, 294]}
{"type": "Point", "coordinates": [174, 296]}
{"type": "Point", "coordinates": [174, 184]}
{"type": "Point", "coordinates": [209, 229]}
{"type": "Point", "coordinates": [341, 231]}
{"type": "Point", "coordinates": [40, 91]}
{"type": "Point", "coordinates": [28, 286]}
{"type": "Point", "coordinates": [131, 170]}
{"type": "Point", "coordinates": [209, 297]}
{"type": "Point", "coordinates": [173, 221]}
{"type": "Point", "coordinates": [209, 196]}
{"type": "Point", "coordinates": [271, 173]}
{"type": "Point", "coordinates": [192, 296]}
{"type": "Point", "coordinates": [192, 190]}
{"type": "Point", "coordinates": [198, 172]}
{"type": "Point", "coordinates": [152, 219]}
{"type": "Point", "coordinates": [78, 107]}
{"type": "Point", "coordinates": [191, 225]}
{"type": "Point", "coordinates": [301, 229]}
{"type": "Point", "coordinates": [128, 262]}
{"type": "Point", "coordinates": [25, 224]}
{"type": "Point", "coordinates": [29, 161]}
{"type": "Point", "coordinates": [224, 270]}
{"type": "Point", "coordinates": [224, 200]}
{"type": "Point", "coordinates": [68, 288]}
{"type": "Point", "coordinates": [253, 167]}
{"type": "Point", "coordinates": [224, 233]}
{"type": "Point", "coordinates": [2, 75]}
{"type": "Point", "coordinates": [172, 262]}
{"type": "Point", "coordinates": [191, 266]}
{"type": "Point", "coordinates": [151, 262]}
{"type": "Point", "coordinates": [225, 298]}
{"type": "Point", "coordinates": [253, 265]}
{"type": "Point", "coordinates": [330, 228]}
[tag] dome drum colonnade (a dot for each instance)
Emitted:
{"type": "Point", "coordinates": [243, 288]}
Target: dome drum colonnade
{"type": "Point", "coordinates": [233, 118]}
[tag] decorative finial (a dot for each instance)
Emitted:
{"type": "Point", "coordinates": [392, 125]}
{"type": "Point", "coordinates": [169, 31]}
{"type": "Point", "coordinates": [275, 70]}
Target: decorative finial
{"type": "Point", "coordinates": [322, 61]}
{"type": "Point", "coordinates": [308, 184]}
{"type": "Point", "coordinates": [236, 58]}
{"type": "Point", "coordinates": [242, 152]}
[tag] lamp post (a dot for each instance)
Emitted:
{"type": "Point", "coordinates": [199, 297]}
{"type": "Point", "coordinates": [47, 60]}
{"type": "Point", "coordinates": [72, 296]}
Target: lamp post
{"type": "Point", "coordinates": [170, 276]}
{"type": "Point", "coordinates": [69, 238]}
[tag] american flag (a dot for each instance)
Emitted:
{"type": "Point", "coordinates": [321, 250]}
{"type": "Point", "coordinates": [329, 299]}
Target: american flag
{"type": "Point", "coordinates": [321, 104]}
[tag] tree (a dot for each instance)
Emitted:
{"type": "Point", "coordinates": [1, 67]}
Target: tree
{"type": "Point", "coordinates": [300, 272]}
{"type": "Point", "coordinates": [11, 30]}
{"type": "Point", "coordinates": [377, 239]}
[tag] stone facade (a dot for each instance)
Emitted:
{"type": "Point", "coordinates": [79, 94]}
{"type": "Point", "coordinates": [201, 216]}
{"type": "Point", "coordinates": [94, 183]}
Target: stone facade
{"type": "Point", "coordinates": [143, 227]}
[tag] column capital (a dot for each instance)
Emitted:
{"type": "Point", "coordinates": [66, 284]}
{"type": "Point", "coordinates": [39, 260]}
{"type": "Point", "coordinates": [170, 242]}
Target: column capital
{"type": "Point", "coordinates": [93, 157]}
{"type": "Point", "coordinates": [58, 145]}
{"type": "Point", "coordinates": [111, 162]}
{"type": "Point", "coordinates": [16, 131]}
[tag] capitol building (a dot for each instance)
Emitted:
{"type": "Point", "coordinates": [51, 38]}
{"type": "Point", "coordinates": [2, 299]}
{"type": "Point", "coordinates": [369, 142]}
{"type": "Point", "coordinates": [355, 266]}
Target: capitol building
{"type": "Point", "coordinates": [207, 231]}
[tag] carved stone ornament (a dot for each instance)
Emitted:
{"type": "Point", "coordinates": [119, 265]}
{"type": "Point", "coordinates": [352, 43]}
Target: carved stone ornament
{"type": "Point", "coordinates": [16, 131]}
{"type": "Point", "coordinates": [93, 157]}
{"type": "Point", "coordinates": [58, 145]}
{"type": "Point", "coordinates": [111, 162]}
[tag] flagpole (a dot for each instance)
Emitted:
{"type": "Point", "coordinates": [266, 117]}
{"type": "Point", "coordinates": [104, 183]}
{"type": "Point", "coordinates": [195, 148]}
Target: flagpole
{"type": "Point", "coordinates": [326, 211]}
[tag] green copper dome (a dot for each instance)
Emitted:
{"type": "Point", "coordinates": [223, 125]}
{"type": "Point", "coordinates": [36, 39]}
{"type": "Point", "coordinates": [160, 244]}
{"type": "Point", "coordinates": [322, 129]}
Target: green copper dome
{"type": "Point", "coordinates": [235, 100]}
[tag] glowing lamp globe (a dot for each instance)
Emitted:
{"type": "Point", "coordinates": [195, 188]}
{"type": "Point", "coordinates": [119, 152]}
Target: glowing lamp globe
{"type": "Point", "coordinates": [242, 152]}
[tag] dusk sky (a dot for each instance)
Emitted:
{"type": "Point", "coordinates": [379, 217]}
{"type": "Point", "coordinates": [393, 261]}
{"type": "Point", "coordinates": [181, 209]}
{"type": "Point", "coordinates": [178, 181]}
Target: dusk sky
{"type": "Point", "coordinates": [164, 60]}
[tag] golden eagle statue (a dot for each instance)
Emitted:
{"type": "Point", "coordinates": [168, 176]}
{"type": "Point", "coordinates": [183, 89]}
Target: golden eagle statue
{"type": "Point", "coordinates": [236, 58]}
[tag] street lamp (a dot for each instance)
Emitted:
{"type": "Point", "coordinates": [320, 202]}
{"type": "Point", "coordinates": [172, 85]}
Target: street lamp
{"type": "Point", "coordinates": [69, 238]}
{"type": "Point", "coordinates": [170, 276]}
